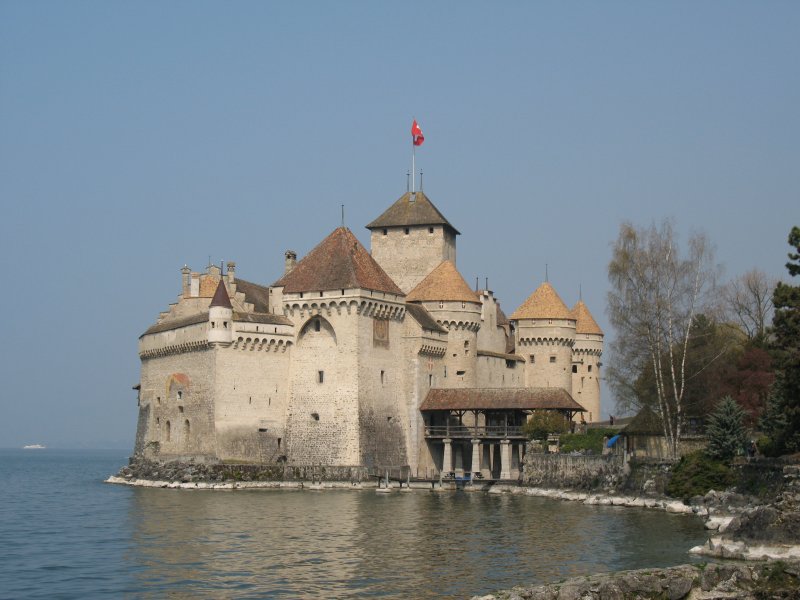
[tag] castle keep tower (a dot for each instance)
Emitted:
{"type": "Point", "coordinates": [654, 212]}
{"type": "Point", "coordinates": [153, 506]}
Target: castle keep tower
{"type": "Point", "coordinates": [545, 334]}
{"type": "Point", "coordinates": [411, 239]}
{"type": "Point", "coordinates": [586, 354]}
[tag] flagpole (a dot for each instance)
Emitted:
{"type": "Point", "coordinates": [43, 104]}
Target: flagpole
{"type": "Point", "coordinates": [413, 165]}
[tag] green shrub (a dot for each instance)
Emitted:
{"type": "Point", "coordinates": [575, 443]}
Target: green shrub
{"type": "Point", "coordinates": [591, 440]}
{"type": "Point", "coordinates": [697, 473]}
{"type": "Point", "coordinates": [545, 422]}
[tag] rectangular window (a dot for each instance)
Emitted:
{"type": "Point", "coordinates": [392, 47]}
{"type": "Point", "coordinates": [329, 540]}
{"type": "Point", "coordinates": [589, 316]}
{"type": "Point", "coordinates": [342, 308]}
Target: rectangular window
{"type": "Point", "coordinates": [552, 359]}
{"type": "Point", "coordinates": [320, 376]}
{"type": "Point", "coordinates": [460, 373]}
{"type": "Point", "coordinates": [531, 359]}
{"type": "Point", "coordinates": [574, 368]}
{"type": "Point", "coordinates": [590, 368]}
{"type": "Point", "coordinates": [383, 377]}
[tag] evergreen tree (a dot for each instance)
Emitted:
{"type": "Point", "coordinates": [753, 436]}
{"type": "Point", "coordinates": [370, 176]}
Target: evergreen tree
{"type": "Point", "coordinates": [725, 430]}
{"type": "Point", "coordinates": [786, 348]}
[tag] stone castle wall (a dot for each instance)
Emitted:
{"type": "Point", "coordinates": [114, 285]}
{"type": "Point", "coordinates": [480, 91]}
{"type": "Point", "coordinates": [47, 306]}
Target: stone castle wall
{"type": "Point", "coordinates": [322, 416]}
{"type": "Point", "coordinates": [251, 391]}
{"type": "Point", "coordinates": [177, 391]}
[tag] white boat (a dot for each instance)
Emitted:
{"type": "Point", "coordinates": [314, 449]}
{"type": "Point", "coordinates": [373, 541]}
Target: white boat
{"type": "Point", "coordinates": [34, 447]}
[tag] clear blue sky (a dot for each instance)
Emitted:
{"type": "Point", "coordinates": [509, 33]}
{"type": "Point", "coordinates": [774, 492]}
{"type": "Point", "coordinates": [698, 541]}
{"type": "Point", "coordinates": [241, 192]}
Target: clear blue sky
{"type": "Point", "coordinates": [136, 137]}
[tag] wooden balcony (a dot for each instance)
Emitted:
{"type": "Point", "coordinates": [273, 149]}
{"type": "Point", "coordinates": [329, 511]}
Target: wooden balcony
{"type": "Point", "coordinates": [489, 432]}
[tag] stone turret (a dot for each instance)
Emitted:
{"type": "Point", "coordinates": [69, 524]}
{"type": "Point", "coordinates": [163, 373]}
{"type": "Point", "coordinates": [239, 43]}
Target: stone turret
{"type": "Point", "coordinates": [220, 316]}
{"type": "Point", "coordinates": [411, 239]}
{"type": "Point", "coordinates": [544, 336]}
{"type": "Point", "coordinates": [586, 353]}
{"type": "Point", "coordinates": [449, 300]}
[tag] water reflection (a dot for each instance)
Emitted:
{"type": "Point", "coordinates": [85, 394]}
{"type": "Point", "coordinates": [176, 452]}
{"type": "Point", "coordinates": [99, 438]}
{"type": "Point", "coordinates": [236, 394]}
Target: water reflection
{"type": "Point", "coordinates": [342, 544]}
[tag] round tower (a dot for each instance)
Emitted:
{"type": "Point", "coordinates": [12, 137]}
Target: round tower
{"type": "Point", "coordinates": [544, 336]}
{"type": "Point", "coordinates": [220, 316]}
{"type": "Point", "coordinates": [449, 300]}
{"type": "Point", "coordinates": [586, 353]}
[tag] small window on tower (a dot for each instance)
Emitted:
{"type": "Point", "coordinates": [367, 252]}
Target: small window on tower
{"type": "Point", "coordinates": [430, 229]}
{"type": "Point", "coordinates": [552, 359]}
{"type": "Point", "coordinates": [574, 368]}
{"type": "Point", "coordinates": [590, 368]}
{"type": "Point", "coordinates": [321, 376]}
{"type": "Point", "coordinates": [225, 324]}
{"type": "Point", "coordinates": [405, 230]}
{"type": "Point", "coordinates": [441, 304]}
{"type": "Point", "coordinates": [317, 325]}
{"type": "Point", "coordinates": [180, 395]}
{"type": "Point", "coordinates": [385, 232]}
{"type": "Point", "coordinates": [531, 359]}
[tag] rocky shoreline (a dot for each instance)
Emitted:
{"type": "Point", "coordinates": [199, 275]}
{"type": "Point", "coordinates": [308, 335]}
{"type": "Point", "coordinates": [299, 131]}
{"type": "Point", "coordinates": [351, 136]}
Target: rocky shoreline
{"type": "Point", "coordinates": [758, 581]}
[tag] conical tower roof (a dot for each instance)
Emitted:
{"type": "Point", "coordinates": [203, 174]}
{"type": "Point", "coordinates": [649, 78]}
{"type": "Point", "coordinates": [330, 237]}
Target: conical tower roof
{"type": "Point", "coordinates": [221, 297]}
{"type": "Point", "coordinates": [544, 303]}
{"type": "Point", "coordinates": [585, 322]}
{"type": "Point", "coordinates": [338, 262]}
{"type": "Point", "coordinates": [443, 283]}
{"type": "Point", "coordinates": [411, 209]}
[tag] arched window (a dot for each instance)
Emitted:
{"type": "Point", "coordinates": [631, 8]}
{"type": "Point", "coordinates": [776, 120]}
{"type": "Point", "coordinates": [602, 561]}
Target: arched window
{"type": "Point", "coordinates": [186, 432]}
{"type": "Point", "coordinates": [168, 431]}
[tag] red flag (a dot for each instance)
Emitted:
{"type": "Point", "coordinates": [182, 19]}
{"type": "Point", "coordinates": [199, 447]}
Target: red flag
{"type": "Point", "coordinates": [416, 134]}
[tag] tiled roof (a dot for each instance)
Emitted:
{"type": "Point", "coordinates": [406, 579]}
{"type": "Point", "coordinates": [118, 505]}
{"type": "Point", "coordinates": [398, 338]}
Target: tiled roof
{"type": "Point", "coordinates": [585, 322]}
{"type": "Point", "coordinates": [338, 262]}
{"type": "Point", "coordinates": [411, 209]}
{"type": "Point", "coordinates": [176, 323]}
{"type": "Point", "coordinates": [502, 319]}
{"type": "Point", "coordinates": [424, 318]}
{"type": "Point", "coordinates": [544, 303]}
{"type": "Point", "coordinates": [500, 399]}
{"type": "Point", "coordinates": [443, 283]}
{"type": "Point", "coordinates": [221, 297]}
{"type": "Point", "coordinates": [261, 317]}
{"type": "Point", "coordinates": [257, 295]}
{"type": "Point", "coordinates": [507, 356]}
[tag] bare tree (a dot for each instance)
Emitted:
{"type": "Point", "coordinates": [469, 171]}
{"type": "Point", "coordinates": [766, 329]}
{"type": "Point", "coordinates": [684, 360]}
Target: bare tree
{"type": "Point", "coordinates": [747, 301]}
{"type": "Point", "coordinates": [656, 294]}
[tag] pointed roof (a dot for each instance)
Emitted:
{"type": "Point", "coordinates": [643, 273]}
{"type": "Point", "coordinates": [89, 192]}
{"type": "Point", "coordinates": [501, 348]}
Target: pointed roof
{"type": "Point", "coordinates": [443, 283]}
{"type": "Point", "coordinates": [337, 262]}
{"type": "Point", "coordinates": [221, 297]}
{"type": "Point", "coordinates": [411, 209]}
{"type": "Point", "coordinates": [584, 321]}
{"type": "Point", "coordinates": [544, 303]}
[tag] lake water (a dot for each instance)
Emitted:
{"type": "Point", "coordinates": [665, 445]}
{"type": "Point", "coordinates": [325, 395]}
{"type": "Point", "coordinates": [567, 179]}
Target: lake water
{"type": "Point", "coordinates": [65, 534]}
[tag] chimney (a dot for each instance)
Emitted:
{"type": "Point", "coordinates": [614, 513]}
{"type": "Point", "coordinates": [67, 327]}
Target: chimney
{"type": "Point", "coordinates": [231, 271]}
{"type": "Point", "coordinates": [291, 261]}
{"type": "Point", "coordinates": [186, 274]}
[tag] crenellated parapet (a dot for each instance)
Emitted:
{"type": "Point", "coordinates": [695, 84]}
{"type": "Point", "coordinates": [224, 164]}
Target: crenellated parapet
{"type": "Point", "coordinates": [344, 306]}
{"type": "Point", "coordinates": [172, 349]}
{"type": "Point", "coordinates": [546, 341]}
{"type": "Point", "coordinates": [453, 325]}
{"type": "Point", "coordinates": [262, 344]}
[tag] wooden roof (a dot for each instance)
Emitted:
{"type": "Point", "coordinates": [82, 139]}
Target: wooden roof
{"type": "Point", "coordinates": [584, 321]}
{"type": "Point", "coordinates": [221, 297]}
{"type": "Point", "coordinates": [411, 209]}
{"type": "Point", "coordinates": [544, 303]}
{"type": "Point", "coordinates": [443, 283]}
{"type": "Point", "coordinates": [500, 399]}
{"type": "Point", "coordinates": [338, 262]}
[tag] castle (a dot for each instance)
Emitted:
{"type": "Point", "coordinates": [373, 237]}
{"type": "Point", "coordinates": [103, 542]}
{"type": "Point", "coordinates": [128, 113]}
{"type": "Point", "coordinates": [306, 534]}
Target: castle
{"type": "Point", "coordinates": [357, 358]}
